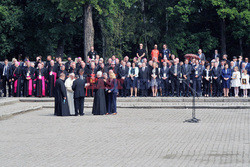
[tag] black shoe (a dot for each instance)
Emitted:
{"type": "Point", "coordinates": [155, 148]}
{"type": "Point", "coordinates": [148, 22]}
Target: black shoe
{"type": "Point", "coordinates": [81, 114]}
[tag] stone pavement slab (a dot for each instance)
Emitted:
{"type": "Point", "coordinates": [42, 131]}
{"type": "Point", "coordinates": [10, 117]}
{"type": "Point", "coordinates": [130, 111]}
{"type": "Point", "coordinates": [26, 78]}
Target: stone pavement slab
{"type": "Point", "coordinates": [134, 137]}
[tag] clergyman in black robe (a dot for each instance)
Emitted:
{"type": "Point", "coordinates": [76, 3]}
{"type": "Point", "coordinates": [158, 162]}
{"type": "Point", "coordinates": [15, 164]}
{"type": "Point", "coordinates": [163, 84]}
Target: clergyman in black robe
{"type": "Point", "coordinates": [52, 75]}
{"type": "Point", "coordinates": [40, 85]}
{"type": "Point", "coordinates": [99, 105]}
{"type": "Point", "coordinates": [61, 102]}
{"type": "Point", "coordinates": [29, 77]}
{"type": "Point", "coordinates": [17, 73]}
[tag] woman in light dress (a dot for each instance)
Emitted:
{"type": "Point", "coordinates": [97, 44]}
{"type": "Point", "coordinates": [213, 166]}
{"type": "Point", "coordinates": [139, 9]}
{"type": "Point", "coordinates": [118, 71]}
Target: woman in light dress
{"type": "Point", "coordinates": [236, 81]}
{"type": "Point", "coordinates": [245, 82]}
{"type": "Point", "coordinates": [70, 92]}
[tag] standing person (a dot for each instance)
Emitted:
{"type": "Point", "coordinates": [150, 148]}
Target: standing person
{"type": "Point", "coordinates": [155, 54]}
{"type": "Point", "coordinates": [29, 76]}
{"type": "Point", "coordinates": [40, 81]}
{"type": "Point", "coordinates": [206, 80]}
{"type": "Point", "coordinates": [112, 94]}
{"type": "Point", "coordinates": [140, 52]}
{"type": "Point", "coordinates": [144, 79]}
{"type": "Point", "coordinates": [99, 105]}
{"type": "Point", "coordinates": [154, 74]}
{"type": "Point", "coordinates": [245, 83]}
{"type": "Point", "coordinates": [61, 104]}
{"type": "Point", "coordinates": [235, 83]}
{"type": "Point", "coordinates": [165, 53]}
{"type": "Point", "coordinates": [165, 79]}
{"type": "Point", "coordinates": [197, 77]}
{"type": "Point", "coordinates": [186, 72]}
{"type": "Point", "coordinates": [70, 93]}
{"type": "Point", "coordinates": [133, 74]}
{"type": "Point", "coordinates": [79, 93]}
{"type": "Point", "coordinates": [216, 74]}
{"type": "Point", "coordinates": [226, 76]}
{"type": "Point", "coordinates": [68, 64]}
{"type": "Point", "coordinates": [201, 55]}
{"type": "Point", "coordinates": [123, 73]}
{"type": "Point", "coordinates": [175, 71]}
{"type": "Point", "coordinates": [16, 78]}
{"type": "Point", "coordinates": [52, 75]}
{"type": "Point", "coordinates": [6, 78]}
{"type": "Point", "coordinates": [92, 53]}
{"type": "Point", "coordinates": [216, 54]}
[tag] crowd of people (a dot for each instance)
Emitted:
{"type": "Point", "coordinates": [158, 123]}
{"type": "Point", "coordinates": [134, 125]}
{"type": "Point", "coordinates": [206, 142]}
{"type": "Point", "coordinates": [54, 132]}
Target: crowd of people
{"type": "Point", "coordinates": [162, 74]}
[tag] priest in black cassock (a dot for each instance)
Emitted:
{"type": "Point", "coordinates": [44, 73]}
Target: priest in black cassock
{"type": "Point", "coordinates": [61, 102]}
{"type": "Point", "coordinates": [52, 75]}
{"type": "Point", "coordinates": [99, 105]}
{"type": "Point", "coordinates": [16, 78]}
{"type": "Point", "coordinates": [29, 76]}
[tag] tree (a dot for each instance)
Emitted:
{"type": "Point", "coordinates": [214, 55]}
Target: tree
{"type": "Point", "coordinates": [10, 27]}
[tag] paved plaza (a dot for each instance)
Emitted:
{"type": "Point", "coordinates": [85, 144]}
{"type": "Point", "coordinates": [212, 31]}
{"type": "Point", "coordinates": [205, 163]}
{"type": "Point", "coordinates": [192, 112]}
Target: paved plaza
{"type": "Point", "coordinates": [133, 138]}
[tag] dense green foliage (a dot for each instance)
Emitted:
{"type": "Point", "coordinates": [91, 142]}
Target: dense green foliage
{"type": "Point", "coordinates": [35, 27]}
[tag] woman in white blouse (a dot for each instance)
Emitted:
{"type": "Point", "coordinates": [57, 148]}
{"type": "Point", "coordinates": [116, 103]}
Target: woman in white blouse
{"type": "Point", "coordinates": [133, 79]}
{"type": "Point", "coordinates": [236, 81]}
{"type": "Point", "coordinates": [70, 92]}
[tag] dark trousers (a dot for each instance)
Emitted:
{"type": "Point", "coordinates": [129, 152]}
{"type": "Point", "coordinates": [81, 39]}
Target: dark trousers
{"type": "Point", "coordinates": [216, 87]}
{"type": "Point", "coordinates": [175, 83]}
{"type": "Point", "coordinates": [112, 103]}
{"type": "Point", "coordinates": [197, 86]}
{"type": "Point", "coordinates": [206, 86]}
{"type": "Point", "coordinates": [185, 87]}
{"type": "Point", "coordinates": [5, 83]}
{"type": "Point", "coordinates": [165, 87]}
{"type": "Point", "coordinates": [122, 88]}
{"type": "Point", "coordinates": [79, 105]}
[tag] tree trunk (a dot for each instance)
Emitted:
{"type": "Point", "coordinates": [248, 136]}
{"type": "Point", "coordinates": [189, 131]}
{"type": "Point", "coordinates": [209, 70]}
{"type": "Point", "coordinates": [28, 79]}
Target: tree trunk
{"type": "Point", "coordinates": [88, 30]}
{"type": "Point", "coordinates": [60, 48]}
{"type": "Point", "coordinates": [144, 24]}
{"type": "Point", "coordinates": [103, 40]}
{"type": "Point", "coordinates": [241, 48]}
{"type": "Point", "coordinates": [223, 37]}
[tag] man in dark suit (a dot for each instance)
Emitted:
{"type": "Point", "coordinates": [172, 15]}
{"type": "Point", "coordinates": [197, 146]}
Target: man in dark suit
{"type": "Point", "coordinates": [68, 63]}
{"type": "Point", "coordinates": [165, 78]}
{"type": "Point", "coordinates": [79, 93]}
{"type": "Point", "coordinates": [144, 79]}
{"type": "Point", "coordinates": [6, 77]}
{"type": "Point", "coordinates": [216, 74]}
{"type": "Point", "coordinates": [197, 69]}
{"type": "Point", "coordinates": [201, 55]}
{"type": "Point", "coordinates": [216, 54]}
{"type": "Point", "coordinates": [175, 72]}
{"type": "Point", "coordinates": [122, 75]}
{"type": "Point", "coordinates": [186, 72]}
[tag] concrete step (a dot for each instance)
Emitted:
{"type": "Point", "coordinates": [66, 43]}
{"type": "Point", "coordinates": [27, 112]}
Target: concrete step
{"type": "Point", "coordinates": [171, 105]}
{"type": "Point", "coordinates": [7, 111]}
{"type": "Point", "coordinates": [152, 99]}
{"type": "Point", "coordinates": [8, 101]}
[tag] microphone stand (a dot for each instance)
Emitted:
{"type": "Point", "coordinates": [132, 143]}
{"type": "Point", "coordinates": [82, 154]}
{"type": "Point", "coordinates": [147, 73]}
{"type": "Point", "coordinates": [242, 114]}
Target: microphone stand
{"type": "Point", "coordinates": [193, 119]}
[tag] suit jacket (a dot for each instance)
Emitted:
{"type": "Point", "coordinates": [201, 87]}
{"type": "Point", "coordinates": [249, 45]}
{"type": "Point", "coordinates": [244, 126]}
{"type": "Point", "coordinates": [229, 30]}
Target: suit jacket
{"type": "Point", "coordinates": [123, 73]}
{"type": "Point", "coordinates": [226, 75]}
{"type": "Point", "coordinates": [202, 56]}
{"type": "Point", "coordinates": [172, 71]}
{"type": "Point", "coordinates": [78, 88]}
{"type": "Point", "coordinates": [9, 71]}
{"type": "Point", "coordinates": [144, 75]}
{"type": "Point", "coordinates": [216, 73]}
{"type": "Point", "coordinates": [198, 71]}
{"type": "Point", "coordinates": [166, 72]}
{"type": "Point", "coordinates": [186, 71]}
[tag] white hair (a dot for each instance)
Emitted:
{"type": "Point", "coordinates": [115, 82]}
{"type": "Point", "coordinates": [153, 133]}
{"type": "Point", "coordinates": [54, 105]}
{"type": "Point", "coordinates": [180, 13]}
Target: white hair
{"type": "Point", "coordinates": [99, 73]}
